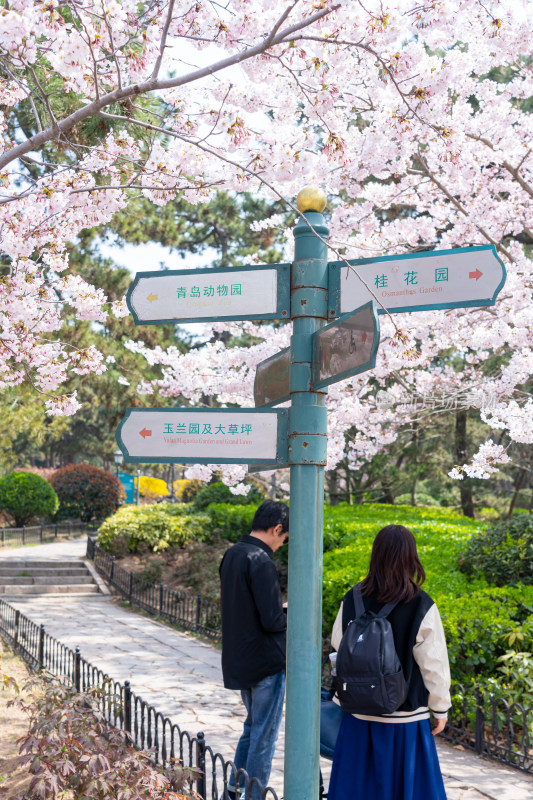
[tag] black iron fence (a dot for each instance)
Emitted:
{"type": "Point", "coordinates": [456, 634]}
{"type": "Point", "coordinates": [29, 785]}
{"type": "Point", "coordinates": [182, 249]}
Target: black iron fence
{"type": "Point", "coordinates": [148, 728]}
{"type": "Point", "coordinates": [192, 612]}
{"type": "Point", "coordinates": [481, 721]}
{"type": "Point", "coordinates": [32, 534]}
{"type": "Point", "coordinates": [491, 726]}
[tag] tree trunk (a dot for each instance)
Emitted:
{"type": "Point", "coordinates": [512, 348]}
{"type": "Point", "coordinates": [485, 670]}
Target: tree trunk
{"type": "Point", "coordinates": [348, 486]}
{"type": "Point", "coordinates": [518, 485]}
{"type": "Point", "coordinates": [465, 486]}
{"type": "Point", "coordinates": [387, 491]}
{"type": "Point", "coordinates": [333, 487]}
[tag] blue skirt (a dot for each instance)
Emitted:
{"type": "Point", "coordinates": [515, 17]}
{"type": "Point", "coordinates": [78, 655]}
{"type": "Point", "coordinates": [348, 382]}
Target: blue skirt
{"type": "Point", "coordinates": [385, 761]}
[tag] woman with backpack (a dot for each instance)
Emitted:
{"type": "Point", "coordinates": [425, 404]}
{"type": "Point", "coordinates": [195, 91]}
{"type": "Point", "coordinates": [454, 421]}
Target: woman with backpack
{"type": "Point", "coordinates": [391, 671]}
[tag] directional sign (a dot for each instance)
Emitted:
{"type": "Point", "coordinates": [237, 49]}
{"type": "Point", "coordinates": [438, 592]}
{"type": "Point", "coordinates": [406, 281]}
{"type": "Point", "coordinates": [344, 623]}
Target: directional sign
{"type": "Point", "coordinates": [202, 295]}
{"type": "Point", "coordinates": [204, 435]}
{"type": "Point", "coordinates": [271, 385]}
{"type": "Point", "coordinates": [346, 347]}
{"type": "Point", "coordinates": [465, 276]}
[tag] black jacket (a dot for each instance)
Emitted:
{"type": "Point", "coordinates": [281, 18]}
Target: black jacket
{"type": "Point", "coordinates": [253, 620]}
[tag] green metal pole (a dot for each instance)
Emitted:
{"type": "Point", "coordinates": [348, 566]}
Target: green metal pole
{"type": "Point", "coordinates": [307, 457]}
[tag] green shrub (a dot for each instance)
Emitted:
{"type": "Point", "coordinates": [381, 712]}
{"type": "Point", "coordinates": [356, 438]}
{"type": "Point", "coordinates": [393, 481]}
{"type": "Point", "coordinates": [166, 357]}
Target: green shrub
{"type": "Point", "coordinates": [421, 499]}
{"type": "Point", "coordinates": [503, 553]}
{"type": "Point", "coordinates": [230, 521]}
{"type": "Point", "coordinates": [478, 626]}
{"type": "Point", "coordinates": [86, 492]}
{"type": "Point", "coordinates": [220, 493]}
{"type": "Point", "coordinates": [24, 495]}
{"type": "Point", "coordinates": [153, 528]}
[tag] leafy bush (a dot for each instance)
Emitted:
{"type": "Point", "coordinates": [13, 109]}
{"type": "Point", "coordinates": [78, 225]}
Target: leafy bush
{"type": "Point", "coordinates": [220, 493]}
{"type": "Point", "coordinates": [187, 489]}
{"type": "Point", "coordinates": [70, 750]}
{"type": "Point", "coordinates": [503, 553]}
{"type": "Point", "coordinates": [24, 495]}
{"type": "Point", "coordinates": [153, 528]}
{"type": "Point", "coordinates": [421, 499]}
{"type": "Point", "coordinates": [230, 521]}
{"type": "Point", "coordinates": [86, 492]}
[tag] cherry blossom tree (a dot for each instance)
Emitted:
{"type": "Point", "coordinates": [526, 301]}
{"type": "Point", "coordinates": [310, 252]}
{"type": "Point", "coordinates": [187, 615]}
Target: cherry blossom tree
{"type": "Point", "coordinates": [414, 116]}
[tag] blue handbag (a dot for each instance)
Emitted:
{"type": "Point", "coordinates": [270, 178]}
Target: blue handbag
{"type": "Point", "coordinates": [330, 722]}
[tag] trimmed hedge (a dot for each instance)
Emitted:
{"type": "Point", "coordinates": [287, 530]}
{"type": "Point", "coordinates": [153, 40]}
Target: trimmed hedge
{"type": "Point", "coordinates": [156, 528]}
{"type": "Point", "coordinates": [230, 521]}
{"type": "Point", "coordinates": [25, 495]}
{"type": "Point", "coordinates": [421, 500]}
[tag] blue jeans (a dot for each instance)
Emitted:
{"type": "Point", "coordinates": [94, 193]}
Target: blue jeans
{"type": "Point", "coordinates": [255, 751]}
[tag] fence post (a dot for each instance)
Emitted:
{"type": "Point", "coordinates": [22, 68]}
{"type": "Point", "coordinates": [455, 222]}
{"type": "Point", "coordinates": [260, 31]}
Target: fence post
{"type": "Point", "coordinates": [55, 532]}
{"type": "Point", "coordinates": [77, 669]}
{"type": "Point", "coordinates": [161, 599]}
{"type": "Point", "coordinates": [3, 535]}
{"type": "Point", "coordinates": [130, 594]}
{"type": "Point", "coordinates": [41, 534]}
{"type": "Point", "coordinates": [200, 764]}
{"type": "Point", "coordinates": [127, 707]}
{"type": "Point", "coordinates": [23, 534]}
{"type": "Point", "coordinates": [40, 651]}
{"type": "Point", "coordinates": [112, 570]}
{"type": "Point", "coordinates": [16, 630]}
{"type": "Point", "coordinates": [198, 611]}
{"type": "Point", "coordinates": [68, 529]}
{"type": "Point", "coordinates": [480, 722]}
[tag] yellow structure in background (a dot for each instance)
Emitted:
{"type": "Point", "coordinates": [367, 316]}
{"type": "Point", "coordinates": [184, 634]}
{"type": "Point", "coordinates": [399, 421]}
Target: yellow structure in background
{"type": "Point", "coordinates": [152, 487]}
{"type": "Point", "coordinates": [156, 488]}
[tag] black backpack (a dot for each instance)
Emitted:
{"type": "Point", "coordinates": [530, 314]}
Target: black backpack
{"type": "Point", "coordinates": [369, 676]}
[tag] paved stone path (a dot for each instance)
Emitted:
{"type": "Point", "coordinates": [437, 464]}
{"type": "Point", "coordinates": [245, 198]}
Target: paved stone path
{"type": "Point", "coordinates": [181, 676]}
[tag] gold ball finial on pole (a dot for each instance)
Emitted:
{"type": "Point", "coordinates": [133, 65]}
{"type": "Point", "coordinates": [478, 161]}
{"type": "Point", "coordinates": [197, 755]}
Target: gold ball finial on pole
{"type": "Point", "coordinates": [311, 198]}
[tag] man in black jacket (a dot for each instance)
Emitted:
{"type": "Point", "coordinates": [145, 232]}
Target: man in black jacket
{"type": "Point", "coordinates": [253, 638]}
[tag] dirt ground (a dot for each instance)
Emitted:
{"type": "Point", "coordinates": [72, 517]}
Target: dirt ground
{"type": "Point", "coordinates": [193, 568]}
{"type": "Point", "coordinates": [13, 725]}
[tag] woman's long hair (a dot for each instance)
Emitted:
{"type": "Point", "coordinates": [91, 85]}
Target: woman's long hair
{"type": "Point", "coordinates": [395, 571]}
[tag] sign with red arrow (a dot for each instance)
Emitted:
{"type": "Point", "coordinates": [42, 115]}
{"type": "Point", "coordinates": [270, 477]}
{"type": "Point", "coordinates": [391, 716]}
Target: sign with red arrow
{"type": "Point", "coordinates": [457, 278]}
{"type": "Point", "coordinates": [204, 435]}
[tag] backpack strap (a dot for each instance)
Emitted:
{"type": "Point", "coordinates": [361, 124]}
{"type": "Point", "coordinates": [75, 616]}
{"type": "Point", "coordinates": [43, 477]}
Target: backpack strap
{"type": "Point", "coordinates": [386, 610]}
{"type": "Point", "coordinates": [358, 600]}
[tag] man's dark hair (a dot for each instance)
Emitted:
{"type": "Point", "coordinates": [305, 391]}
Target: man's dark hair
{"type": "Point", "coordinates": [269, 514]}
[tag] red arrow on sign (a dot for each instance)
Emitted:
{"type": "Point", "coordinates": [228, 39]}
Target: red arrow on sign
{"type": "Point", "coordinates": [477, 274]}
{"type": "Point", "coordinates": [144, 433]}
{"type": "Point", "coordinates": [364, 337]}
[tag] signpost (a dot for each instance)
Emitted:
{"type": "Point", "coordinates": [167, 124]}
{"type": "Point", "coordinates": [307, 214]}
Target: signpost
{"type": "Point", "coordinates": [458, 278]}
{"type": "Point", "coordinates": [200, 295]}
{"type": "Point", "coordinates": [346, 347]}
{"type": "Point", "coordinates": [191, 435]}
{"type": "Point", "coordinates": [309, 292]}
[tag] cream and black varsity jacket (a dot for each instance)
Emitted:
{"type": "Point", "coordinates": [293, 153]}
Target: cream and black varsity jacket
{"type": "Point", "coordinates": [421, 648]}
